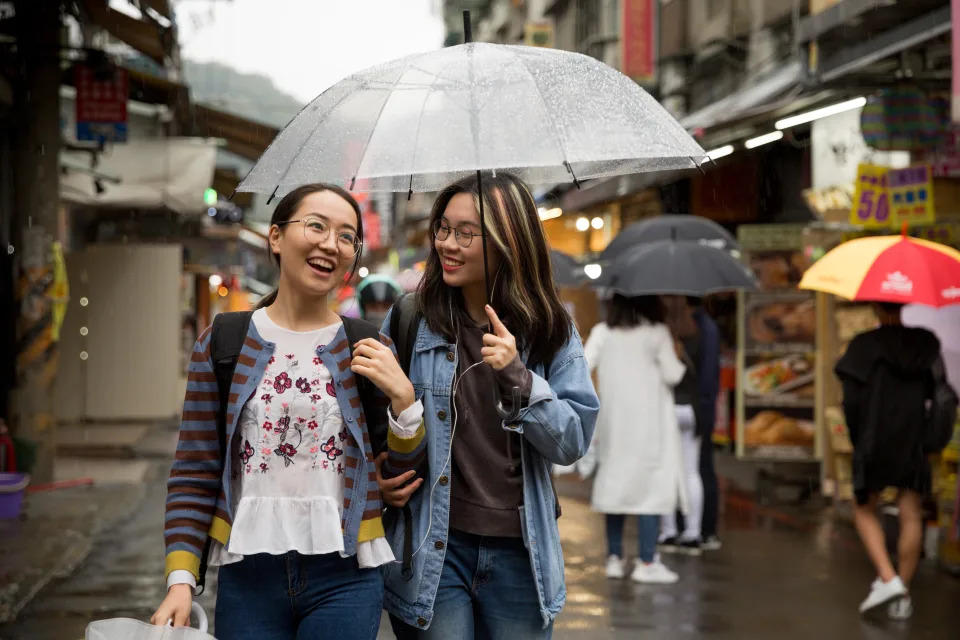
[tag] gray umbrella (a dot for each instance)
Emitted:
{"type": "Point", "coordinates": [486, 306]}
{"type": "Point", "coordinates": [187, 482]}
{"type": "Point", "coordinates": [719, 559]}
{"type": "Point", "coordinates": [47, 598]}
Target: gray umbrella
{"type": "Point", "coordinates": [669, 227]}
{"type": "Point", "coordinates": [566, 272]}
{"type": "Point", "coordinates": [675, 267]}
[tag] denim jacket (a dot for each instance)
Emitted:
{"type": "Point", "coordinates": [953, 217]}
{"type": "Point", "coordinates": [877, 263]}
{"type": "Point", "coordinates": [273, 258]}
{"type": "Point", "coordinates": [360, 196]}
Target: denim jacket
{"type": "Point", "coordinates": [557, 427]}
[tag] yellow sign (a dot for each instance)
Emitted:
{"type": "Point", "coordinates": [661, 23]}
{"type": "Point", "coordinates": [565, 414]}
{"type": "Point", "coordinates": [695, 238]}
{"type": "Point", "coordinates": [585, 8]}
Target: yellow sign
{"type": "Point", "coordinates": [871, 206]}
{"type": "Point", "coordinates": [911, 196]}
{"type": "Point", "coordinates": [538, 34]}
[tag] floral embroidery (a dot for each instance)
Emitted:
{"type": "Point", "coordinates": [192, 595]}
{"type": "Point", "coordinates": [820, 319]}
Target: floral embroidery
{"type": "Point", "coordinates": [282, 382]}
{"type": "Point", "coordinates": [268, 426]}
{"type": "Point", "coordinates": [343, 434]}
{"type": "Point", "coordinates": [289, 356]}
{"type": "Point", "coordinates": [330, 390]}
{"type": "Point", "coordinates": [316, 397]}
{"type": "Point", "coordinates": [283, 425]}
{"type": "Point", "coordinates": [303, 386]}
{"type": "Point", "coordinates": [266, 398]}
{"type": "Point", "coordinates": [263, 467]}
{"type": "Point", "coordinates": [312, 425]}
{"type": "Point", "coordinates": [286, 451]}
{"type": "Point", "coordinates": [316, 361]}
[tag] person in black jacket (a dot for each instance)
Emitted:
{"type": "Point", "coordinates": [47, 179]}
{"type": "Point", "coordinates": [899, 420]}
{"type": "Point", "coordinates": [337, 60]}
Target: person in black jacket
{"type": "Point", "coordinates": [887, 385]}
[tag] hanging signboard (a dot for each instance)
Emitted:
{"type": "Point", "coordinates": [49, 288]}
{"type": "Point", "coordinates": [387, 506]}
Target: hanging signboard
{"type": "Point", "coordinates": [871, 206]}
{"type": "Point", "coordinates": [911, 196]}
{"type": "Point", "coordinates": [101, 104]}
{"type": "Point", "coordinates": [539, 34]}
{"type": "Point", "coordinates": [638, 40]}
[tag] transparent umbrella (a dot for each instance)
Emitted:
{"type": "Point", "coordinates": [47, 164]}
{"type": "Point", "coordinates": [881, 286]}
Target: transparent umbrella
{"type": "Point", "coordinates": [423, 121]}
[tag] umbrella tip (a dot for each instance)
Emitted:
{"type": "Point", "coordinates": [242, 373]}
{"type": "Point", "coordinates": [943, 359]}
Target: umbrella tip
{"type": "Point", "coordinates": [903, 230]}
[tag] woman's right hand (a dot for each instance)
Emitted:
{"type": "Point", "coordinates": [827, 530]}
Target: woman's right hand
{"type": "Point", "coordinates": [175, 607]}
{"type": "Point", "coordinates": [392, 489]}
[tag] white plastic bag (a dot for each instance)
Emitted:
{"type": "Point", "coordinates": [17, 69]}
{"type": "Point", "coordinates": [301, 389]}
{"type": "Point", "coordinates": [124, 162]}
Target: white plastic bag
{"type": "Point", "coordinates": [128, 629]}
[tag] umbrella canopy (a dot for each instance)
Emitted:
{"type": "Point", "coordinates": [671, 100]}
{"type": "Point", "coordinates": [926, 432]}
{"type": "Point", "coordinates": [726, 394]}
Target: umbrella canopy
{"type": "Point", "coordinates": [566, 271]}
{"type": "Point", "coordinates": [426, 120]}
{"type": "Point", "coordinates": [670, 227]}
{"type": "Point", "coordinates": [675, 267]}
{"type": "Point", "coordinates": [889, 269]}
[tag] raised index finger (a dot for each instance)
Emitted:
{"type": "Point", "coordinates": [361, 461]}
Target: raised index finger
{"type": "Point", "coordinates": [498, 327]}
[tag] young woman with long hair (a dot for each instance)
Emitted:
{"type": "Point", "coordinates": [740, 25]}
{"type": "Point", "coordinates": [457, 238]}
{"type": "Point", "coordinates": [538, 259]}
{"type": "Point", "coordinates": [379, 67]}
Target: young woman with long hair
{"type": "Point", "coordinates": [291, 512]}
{"type": "Point", "coordinates": [488, 561]}
{"type": "Point", "coordinates": [637, 446]}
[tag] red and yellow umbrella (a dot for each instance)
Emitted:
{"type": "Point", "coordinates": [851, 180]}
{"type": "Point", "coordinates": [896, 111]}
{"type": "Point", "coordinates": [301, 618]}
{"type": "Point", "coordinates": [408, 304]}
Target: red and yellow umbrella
{"type": "Point", "coordinates": [889, 269]}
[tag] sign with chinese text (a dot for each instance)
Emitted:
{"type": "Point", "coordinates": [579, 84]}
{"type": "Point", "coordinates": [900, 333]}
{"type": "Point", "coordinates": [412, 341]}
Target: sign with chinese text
{"type": "Point", "coordinates": [638, 40]}
{"type": "Point", "coordinates": [871, 206]}
{"type": "Point", "coordinates": [911, 195]}
{"type": "Point", "coordinates": [101, 104]}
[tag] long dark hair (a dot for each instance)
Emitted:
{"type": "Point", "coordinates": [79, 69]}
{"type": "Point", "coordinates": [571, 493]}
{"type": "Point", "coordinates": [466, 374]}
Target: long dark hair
{"type": "Point", "coordinates": [289, 204]}
{"type": "Point", "coordinates": [629, 312]}
{"type": "Point", "coordinates": [523, 292]}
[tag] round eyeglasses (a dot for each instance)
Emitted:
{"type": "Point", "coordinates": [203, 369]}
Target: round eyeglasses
{"type": "Point", "coordinates": [464, 238]}
{"type": "Point", "coordinates": [317, 231]}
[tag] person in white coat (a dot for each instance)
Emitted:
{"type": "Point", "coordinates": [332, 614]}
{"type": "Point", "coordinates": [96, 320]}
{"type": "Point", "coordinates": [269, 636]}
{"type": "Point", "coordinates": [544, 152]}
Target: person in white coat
{"type": "Point", "coordinates": [637, 440]}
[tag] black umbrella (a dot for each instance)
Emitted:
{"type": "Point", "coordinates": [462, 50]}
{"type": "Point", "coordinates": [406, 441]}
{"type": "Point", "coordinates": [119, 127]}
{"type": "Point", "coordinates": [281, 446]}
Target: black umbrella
{"type": "Point", "coordinates": [675, 267]}
{"type": "Point", "coordinates": [566, 271]}
{"type": "Point", "coordinates": [668, 227]}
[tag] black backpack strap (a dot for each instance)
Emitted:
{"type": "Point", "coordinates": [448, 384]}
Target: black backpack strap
{"type": "Point", "coordinates": [404, 324]}
{"type": "Point", "coordinates": [357, 330]}
{"type": "Point", "coordinates": [227, 335]}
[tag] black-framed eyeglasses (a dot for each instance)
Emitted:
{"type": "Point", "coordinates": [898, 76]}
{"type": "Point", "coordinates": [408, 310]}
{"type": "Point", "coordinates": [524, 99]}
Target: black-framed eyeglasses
{"type": "Point", "coordinates": [317, 231]}
{"type": "Point", "coordinates": [464, 238]}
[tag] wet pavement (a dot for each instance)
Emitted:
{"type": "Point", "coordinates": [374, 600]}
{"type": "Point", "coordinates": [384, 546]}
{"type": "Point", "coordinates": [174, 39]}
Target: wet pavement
{"type": "Point", "coordinates": [781, 575]}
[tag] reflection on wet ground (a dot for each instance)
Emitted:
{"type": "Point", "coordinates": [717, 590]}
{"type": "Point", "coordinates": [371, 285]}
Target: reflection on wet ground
{"type": "Point", "coordinates": [781, 574]}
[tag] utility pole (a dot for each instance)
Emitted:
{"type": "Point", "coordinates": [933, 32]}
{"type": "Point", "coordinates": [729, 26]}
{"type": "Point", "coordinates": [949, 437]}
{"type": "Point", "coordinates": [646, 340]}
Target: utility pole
{"type": "Point", "coordinates": [37, 201]}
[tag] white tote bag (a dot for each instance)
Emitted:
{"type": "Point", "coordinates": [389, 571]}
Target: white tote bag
{"type": "Point", "coordinates": [128, 629]}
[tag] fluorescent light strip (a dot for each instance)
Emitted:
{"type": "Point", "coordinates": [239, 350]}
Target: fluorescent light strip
{"type": "Point", "coordinates": [720, 152]}
{"type": "Point", "coordinates": [766, 138]}
{"type": "Point", "coordinates": [816, 114]}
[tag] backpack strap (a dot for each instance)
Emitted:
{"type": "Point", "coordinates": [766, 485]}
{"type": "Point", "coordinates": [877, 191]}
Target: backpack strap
{"type": "Point", "coordinates": [357, 330]}
{"type": "Point", "coordinates": [404, 324]}
{"type": "Point", "coordinates": [226, 341]}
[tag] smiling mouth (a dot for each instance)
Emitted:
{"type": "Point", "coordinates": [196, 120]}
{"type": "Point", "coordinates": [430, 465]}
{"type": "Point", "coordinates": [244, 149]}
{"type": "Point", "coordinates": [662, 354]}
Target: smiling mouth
{"type": "Point", "coordinates": [321, 266]}
{"type": "Point", "coordinates": [449, 264]}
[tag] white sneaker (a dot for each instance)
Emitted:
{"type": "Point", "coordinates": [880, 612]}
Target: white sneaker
{"type": "Point", "coordinates": [882, 593]}
{"type": "Point", "coordinates": [653, 573]}
{"type": "Point", "coordinates": [901, 609]}
{"type": "Point", "coordinates": [711, 543]}
{"type": "Point", "coordinates": [616, 568]}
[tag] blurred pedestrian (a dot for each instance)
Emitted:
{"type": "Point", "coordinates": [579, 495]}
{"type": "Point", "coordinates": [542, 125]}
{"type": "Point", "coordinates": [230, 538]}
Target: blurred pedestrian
{"type": "Point", "coordinates": [687, 399]}
{"type": "Point", "coordinates": [376, 295]}
{"type": "Point", "coordinates": [490, 563]}
{"type": "Point", "coordinates": [637, 444]}
{"type": "Point", "coordinates": [708, 377]}
{"type": "Point", "coordinates": [887, 386]}
{"type": "Point", "coordinates": [274, 478]}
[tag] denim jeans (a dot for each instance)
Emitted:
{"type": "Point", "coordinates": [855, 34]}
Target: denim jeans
{"type": "Point", "coordinates": [648, 528]}
{"type": "Point", "coordinates": [486, 592]}
{"type": "Point", "coordinates": [298, 597]}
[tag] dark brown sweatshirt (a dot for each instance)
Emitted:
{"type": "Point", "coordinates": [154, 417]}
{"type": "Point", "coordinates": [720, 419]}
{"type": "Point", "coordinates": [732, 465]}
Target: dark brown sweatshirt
{"type": "Point", "coordinates": [487, 483]}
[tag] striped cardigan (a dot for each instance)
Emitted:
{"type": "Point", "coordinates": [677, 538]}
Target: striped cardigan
{"type": "Point", "coordinates": [199, 491]}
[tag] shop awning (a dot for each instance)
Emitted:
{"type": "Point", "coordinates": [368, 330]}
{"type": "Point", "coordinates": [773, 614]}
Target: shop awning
{"type": "Point", "coordinates": [244, 137]}
{"type": "Point", "coordinates": [170, 173]}
{"type": "Point", "coordinates": [764, 90]}
{"type": "Point", "coordinates": [148, 38]}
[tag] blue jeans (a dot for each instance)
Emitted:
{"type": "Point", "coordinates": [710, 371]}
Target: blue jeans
{"type": "Point", "coordinates": [648, 528]}
{"type": "Point", "coordinates": [486, 592]}
{"type": "Point", "coordinates": [298, 597]}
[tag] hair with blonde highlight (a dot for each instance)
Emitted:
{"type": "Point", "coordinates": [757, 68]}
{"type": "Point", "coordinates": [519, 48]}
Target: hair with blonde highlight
{"type": "Point", "coordinates": [523, 292]}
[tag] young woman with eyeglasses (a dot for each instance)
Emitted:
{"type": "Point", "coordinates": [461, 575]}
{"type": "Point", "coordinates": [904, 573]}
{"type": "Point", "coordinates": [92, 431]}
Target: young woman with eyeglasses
{"type": "Point", "coordinates": [291, 514]}
{"type": "Point", "coordinates": [488, 562]}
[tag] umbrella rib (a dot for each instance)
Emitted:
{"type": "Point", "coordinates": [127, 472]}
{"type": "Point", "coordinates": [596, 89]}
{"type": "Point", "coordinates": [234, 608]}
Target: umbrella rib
{"type": "Point", "coordinates": [374, 128]}
{"type": "Point", "coordinates": [556, 130]}
{"type": "Point", "coordinates": [304, 144]}
{"type": "Point", "coordinates": [416, 137]}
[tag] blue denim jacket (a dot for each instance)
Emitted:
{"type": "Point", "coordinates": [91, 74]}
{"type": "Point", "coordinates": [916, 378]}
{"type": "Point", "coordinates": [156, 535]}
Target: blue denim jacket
{"type": "Point", "coordinates": [557, 427]}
